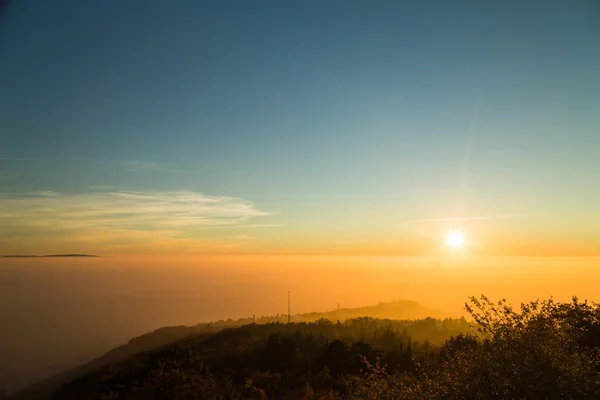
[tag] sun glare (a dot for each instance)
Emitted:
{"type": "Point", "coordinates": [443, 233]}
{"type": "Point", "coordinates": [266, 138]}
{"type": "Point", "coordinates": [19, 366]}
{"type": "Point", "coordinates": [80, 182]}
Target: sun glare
{"type": "Point", "coordinates": [455, 239]}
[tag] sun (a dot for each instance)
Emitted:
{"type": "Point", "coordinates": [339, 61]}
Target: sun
{"type": "Point", "coordinates": [455, 239]}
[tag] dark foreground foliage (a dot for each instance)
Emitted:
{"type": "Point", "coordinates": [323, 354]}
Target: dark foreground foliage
{"type": "Point", "coordinates": [544, 350]}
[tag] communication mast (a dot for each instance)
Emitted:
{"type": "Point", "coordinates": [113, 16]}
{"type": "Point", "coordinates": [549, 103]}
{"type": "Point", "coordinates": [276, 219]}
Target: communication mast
{"type": "Point", "coordinates": [289, 314]}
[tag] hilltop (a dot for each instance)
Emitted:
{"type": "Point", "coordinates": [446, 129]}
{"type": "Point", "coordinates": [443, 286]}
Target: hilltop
{"type": "Point", "coordinates": [397, 310]}
{"type": "Point", "coordinates": [403, 309]}
{"type": "Point", "coordinates": [545, 350]}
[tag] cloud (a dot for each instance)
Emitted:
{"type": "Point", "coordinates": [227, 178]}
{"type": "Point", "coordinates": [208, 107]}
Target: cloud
{"type": "Point", "coordinates": [132, 166]}
{"type": "Point", "coordinates": [119, 216]}
{"type": "Point", "coordinates": [261, 225]}
{"type": "Point", "coordinates": [458, 219]}
{"type": "Point", "coordinates": [243, 237]}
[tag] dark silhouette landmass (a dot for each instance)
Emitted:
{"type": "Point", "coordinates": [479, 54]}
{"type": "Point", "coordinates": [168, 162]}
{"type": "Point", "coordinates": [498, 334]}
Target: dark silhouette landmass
{"type": "Point", "coordinates": [542, 350]}
{"type": "Point", "coordinates": [404, 316]}
{"type": "Point", "coordinates": [48, 255]}
{"type": "Point", "coordinates": [402, 309]}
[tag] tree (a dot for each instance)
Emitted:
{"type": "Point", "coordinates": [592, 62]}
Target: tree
{"type": "Point", "coordinates": [335, 357]}
{"type": "Point", "coordinates": [546, 350]}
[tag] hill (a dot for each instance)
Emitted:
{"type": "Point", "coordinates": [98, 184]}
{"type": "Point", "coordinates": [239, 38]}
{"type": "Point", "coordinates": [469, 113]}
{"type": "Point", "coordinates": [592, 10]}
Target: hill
{"type": "Point", "coordinates": [284, 353]}
{"type": "Point", "coordinates": [398, 310]}
{"type": "Point", "coordinates": [403, 309]}
{"type": "Point", "coordinates": [543, 350]}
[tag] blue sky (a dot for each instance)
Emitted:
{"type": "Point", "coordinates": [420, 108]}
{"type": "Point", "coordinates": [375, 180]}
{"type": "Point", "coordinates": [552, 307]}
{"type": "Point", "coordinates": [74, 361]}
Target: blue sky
{"type": "Point", "coordinates": [344, 118]}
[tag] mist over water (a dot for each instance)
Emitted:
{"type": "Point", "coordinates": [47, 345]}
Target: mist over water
{"type": "Point", "coordinates": [58, 313]}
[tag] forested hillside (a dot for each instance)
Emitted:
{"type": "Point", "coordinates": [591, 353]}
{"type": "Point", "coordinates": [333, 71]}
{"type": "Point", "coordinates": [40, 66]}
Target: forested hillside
{"type": "Point", "coordinates": [274, 358]}
{"type": "Point", "coordinates": [398, 310]}
{"type": "Point", "coordinates": [544, 350]}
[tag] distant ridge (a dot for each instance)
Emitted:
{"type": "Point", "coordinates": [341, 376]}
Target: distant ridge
{"type": "Point", "coordinates": [402, 310]}
{"type": "Point", "coordinates": [47, 255]}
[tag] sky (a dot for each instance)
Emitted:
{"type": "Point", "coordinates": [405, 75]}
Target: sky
{"type": "Point", "coordinates": [341, 127]}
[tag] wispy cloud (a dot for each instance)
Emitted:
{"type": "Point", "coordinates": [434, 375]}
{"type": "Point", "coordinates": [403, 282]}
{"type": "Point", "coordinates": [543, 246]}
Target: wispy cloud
{"type": "Point", "coordinates": [113, 216]}
{"type": "Point", "coordinates": [243, 237]}
{"type": "Point", "coordinates": [459, 219]}
{"type": "Point", "coordinates": [134, 166]}
{"type": "Point", "coordinates": [261, 225]}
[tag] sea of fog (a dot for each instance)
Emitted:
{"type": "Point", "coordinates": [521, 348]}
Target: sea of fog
{"type": "Point", "coordinates": [58, 313]}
